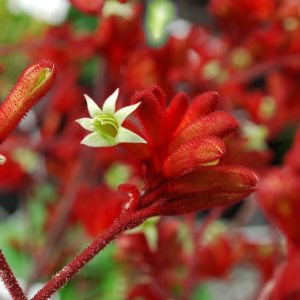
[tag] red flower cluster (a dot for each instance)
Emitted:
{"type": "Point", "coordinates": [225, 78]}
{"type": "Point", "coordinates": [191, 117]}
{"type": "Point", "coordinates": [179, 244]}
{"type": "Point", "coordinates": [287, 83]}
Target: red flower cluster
{"type": "Point", "coordinates": [183, 154]}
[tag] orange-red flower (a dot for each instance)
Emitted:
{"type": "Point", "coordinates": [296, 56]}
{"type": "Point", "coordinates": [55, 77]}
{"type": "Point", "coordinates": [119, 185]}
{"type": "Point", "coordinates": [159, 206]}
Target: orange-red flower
{"type": "Point", "coordinates": [183, 155]}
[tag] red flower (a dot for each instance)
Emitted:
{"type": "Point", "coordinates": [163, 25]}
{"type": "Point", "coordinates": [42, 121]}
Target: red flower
{"type": "Point", "coordinates": [183, 152]}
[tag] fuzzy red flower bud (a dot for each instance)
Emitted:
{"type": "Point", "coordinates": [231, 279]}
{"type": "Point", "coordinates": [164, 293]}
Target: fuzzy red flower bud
{"type": "Point", "coordinates": [212, 179]}
{"type": "Point", "coordinates": [204, 188]}
{"type": "Point", "coordinates": [201, 105]}
{"type": "Point", "coordinates": [199, 201]}
{"type": "Point", "coordinates": [218, 123]}
{"type": "Point", "coordinates": [176, 110]}
{"type": "Point", "coordinates": [203, 151]}
{"type": "Point", "coordinates": [152, 115]}
{"type": "Point", "coordinates": [32, 85]}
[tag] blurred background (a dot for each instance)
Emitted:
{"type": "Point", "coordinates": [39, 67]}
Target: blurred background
{"type": "Point", "coordinates": [56, 195]}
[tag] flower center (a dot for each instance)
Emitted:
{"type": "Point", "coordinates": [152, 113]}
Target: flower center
{"type": "Point", "coordinates": [106, 125]}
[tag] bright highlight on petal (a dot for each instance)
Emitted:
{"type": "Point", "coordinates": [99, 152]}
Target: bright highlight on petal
{"type": "Point", "coordinates": [105, 124]}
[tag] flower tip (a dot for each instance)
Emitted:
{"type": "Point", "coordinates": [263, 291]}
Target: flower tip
{"type": "Point", "coordinates": [109, 105]}
{"type": "Point", "coordinates": [249, 180]}
{"type": "Point", "coordinates": [87, 97]}
{"type": "Point", "coordinates": [143, 141]}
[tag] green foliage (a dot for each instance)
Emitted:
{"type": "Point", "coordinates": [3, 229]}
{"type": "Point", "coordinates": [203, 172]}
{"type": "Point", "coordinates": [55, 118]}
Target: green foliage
{"type": "Point", "coordinates": [12, 234]}
{"type": "Point", "coordinates": [201, 293]}
{"type": "Point", "coordinates": [82, 22]}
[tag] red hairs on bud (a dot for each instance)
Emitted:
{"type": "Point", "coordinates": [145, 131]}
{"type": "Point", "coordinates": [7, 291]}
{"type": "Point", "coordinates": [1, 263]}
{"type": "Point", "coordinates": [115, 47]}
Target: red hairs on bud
{"type": "Point", "coordinates": [32, 85]}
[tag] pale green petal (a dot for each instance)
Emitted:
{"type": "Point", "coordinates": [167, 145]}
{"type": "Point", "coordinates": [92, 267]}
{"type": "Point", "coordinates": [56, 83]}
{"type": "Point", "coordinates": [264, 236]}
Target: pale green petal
{"type": "Point", "coordinates": [96, 140]}
{"type": "Point", "coordinates": [109, 105]}
{"type": "Point", "coordinates": [86, 123]}
{"type": "Point", "coordinates": [124, 112]}
{"type": "Point", "coordinates": [93, 108]}
{"type": "Point", "coordinates": [127, 136]}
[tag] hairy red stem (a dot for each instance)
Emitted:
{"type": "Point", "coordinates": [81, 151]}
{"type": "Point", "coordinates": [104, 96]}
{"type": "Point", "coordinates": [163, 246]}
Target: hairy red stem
{"type": "Point", "coordinates": [10, 280]}
{"type": "Point", "coordinates": [126, 221]}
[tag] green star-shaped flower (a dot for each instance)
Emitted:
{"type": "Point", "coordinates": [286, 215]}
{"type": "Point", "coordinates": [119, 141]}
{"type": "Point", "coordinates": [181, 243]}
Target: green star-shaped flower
{"type": "Point", "coordinates": [106, 123]}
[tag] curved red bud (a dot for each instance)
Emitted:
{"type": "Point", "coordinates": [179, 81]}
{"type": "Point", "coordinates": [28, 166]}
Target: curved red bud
{"type": "Point", "coordinates": [176, 110]}
{"type": "Point", "coordinates": [198, 202]}
{"type": "Point", "coordinates": [32, 85]}
{"type": "Point", "coordinates": [214, 179]}
{"type": "Point", "coordinates": [201, 105]}
{"type": "Point", "coordinates": [152, 116]}
{"type": "Point", "coordinates": [218, 180]}
{"type": "Point", "coordinates": [159, 94]}
{"type": "Point", "coordinates": [201, 151]}
{"type": "Point", "coordinates": [218, 123]}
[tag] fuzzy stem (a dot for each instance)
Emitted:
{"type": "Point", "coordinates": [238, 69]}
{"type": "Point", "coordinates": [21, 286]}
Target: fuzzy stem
{"type": "Point", "coordinates": [10, 280]}
{"type": "Point", "coordinates": [126, 221]}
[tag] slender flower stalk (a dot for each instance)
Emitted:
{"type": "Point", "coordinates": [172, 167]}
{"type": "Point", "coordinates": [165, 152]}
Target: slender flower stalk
{"type": "Point", "coordinates": [127, 220]}
{"type": "Point", "coordinates": [32, 85]}
{"type": "Point", "coordinates": [10, 280]}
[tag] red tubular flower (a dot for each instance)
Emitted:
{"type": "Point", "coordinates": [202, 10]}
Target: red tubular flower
{"type": "Point", "coordinates": [203, 151]}
{"type": "Point", "coordinates": [185, 148]}
{"type": "Point", "coordinates": [32, 85]}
